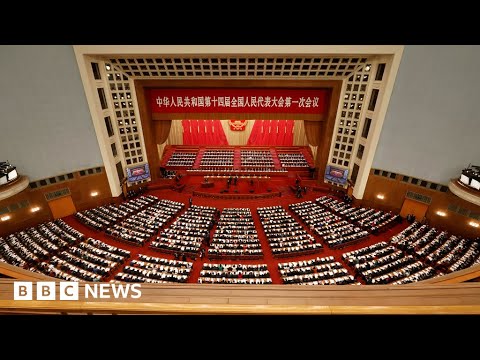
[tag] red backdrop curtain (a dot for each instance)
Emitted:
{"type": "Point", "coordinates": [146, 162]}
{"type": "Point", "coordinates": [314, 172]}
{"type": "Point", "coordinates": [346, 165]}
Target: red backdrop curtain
{"type": "Point", "coordinates": [272, 133]}
{"type": "Point", "coordinates": [161, 130]}
{"type": "Point", "coordinates": [312, 131]}
{"type": "Point", "coordinates": [203, 132]}
{"type": "Point", "coordinates": [288, 139]}
{"type": "Point", "coordinates": [187, 132]}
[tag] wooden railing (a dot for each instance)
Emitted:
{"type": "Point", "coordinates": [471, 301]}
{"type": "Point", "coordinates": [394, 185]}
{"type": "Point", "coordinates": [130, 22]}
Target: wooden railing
{"type": "Point", "coordinates": [265, 299]}
{"type": "Point", "coordinates": [446, 295]}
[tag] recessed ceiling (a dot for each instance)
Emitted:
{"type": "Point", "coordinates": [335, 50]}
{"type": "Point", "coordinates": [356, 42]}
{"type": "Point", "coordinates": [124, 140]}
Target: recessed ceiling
{"type": "Point", "coordinates": [237, 67]}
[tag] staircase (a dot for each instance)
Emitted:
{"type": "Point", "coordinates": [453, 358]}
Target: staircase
{"type": "Point", "coordinates": [198, 159]}
{"type": "Point", "coordinates": [237, 159]}
{"type": "Point", "coordinates": [167, 154]}
{"type": "Point", "coordinates": [308, 156]}
{"type": "Point", "coordinates": [276, 161]}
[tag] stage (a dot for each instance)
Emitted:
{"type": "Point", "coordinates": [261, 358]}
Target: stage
{"type": "Point", "coordinates": [241, 186]}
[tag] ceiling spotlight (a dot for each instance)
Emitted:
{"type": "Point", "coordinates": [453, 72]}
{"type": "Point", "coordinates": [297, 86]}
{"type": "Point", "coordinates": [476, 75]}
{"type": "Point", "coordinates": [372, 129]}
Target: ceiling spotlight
{"type": "Point", "coordinates": [441, 213]}
{"type": "Point", "coordinates": [380, 196]}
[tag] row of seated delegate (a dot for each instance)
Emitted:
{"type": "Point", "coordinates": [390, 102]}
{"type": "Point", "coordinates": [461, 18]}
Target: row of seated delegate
{"type": "Point", "coordinates": [234, 274]}
{"type": "Point", "coordinates": [383, 263]}
{"type": "Point", "coordinates": [445, 252]}
{"type": "Point", "coordinates": [293, 160]}
{"type": "Point", "coordinates": [334, 231]}
{"type": "Point", "coordinates": [105, 216]}
{"type": "Point", "coordinates": [188, 232]}
{"type": "Point", "coordinates": [257, 159]}
{"type": "Point", "coordinates": [182, 159]}
{"type": "Point", "coordinates": [368, 219]}
{"type": "Point", "coordinates": [226, 172]}
{"type": "Point", "coordinates": [90, 260]}
{"type": "Point", "coordinates": [235, 236]}
{"type": "Point", "coordinates": [142, 226]}
{"type": "Point", "coordinates": [285, 235]}
{"type": "Point", "coordinates": [28, 247]}
{"type": "Point", "coordinates": [155, 269]}
{"type": "Point", "coordinates": [318, 271]}
{"type": "Point", "coordinates": [217, 158]}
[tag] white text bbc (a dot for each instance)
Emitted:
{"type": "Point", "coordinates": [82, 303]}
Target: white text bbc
{"type": "Point", "coordinates": [68, 290]}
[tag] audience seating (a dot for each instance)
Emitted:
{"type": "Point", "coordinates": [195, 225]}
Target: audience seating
{"type": "Point", "coordinates": [285, 235]}
{"type": "Point", "coordinates": [235, 236]}
{"type": "Point", "coordinates": [418, 252]}
{"type": "Point", "coordinates": [217, 158]}
{"type": "Point", "coordinates": [293, 160]}
{"type": "Point", "coordinates": [181, 158]}
{"type": "Point", "coordinates": [155, 269]}
{"type": "Point", "coordinates": [234, 274]}
{"type": "Point", "coordinates": [187, 233]}
{"type": "Point", "coordinates": [318, 271]}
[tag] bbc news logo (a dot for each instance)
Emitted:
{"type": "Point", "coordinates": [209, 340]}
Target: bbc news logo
{"type": "Point", "coordinates": [69, 290]}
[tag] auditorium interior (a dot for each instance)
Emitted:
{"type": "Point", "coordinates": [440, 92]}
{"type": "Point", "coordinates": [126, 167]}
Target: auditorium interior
{"type": "Point", "coordinates": [224, 179]}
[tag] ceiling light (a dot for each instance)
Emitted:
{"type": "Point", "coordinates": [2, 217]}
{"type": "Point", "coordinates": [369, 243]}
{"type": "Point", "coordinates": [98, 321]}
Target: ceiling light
{"type": "Point", "coordinates": [441, 213]}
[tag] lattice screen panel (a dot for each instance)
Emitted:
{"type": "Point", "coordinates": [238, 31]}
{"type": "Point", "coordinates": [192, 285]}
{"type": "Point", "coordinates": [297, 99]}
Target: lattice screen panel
{"type": "Point", "coordinates": [347, 128]}
{"type": "Point", "coordinates": [126, 120]}
{"type": "Point", "coordinates": [236, 67]}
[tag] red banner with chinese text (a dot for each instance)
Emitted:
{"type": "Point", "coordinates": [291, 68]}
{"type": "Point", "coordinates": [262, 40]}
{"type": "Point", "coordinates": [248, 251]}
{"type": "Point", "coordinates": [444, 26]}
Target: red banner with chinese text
{"type": "Point", "coordinates": [208, 100]}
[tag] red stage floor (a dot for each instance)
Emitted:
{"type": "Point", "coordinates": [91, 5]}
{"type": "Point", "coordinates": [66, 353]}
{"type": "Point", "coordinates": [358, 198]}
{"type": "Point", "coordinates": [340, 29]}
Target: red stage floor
{"type": "Point", "coordinates": [244, 185]}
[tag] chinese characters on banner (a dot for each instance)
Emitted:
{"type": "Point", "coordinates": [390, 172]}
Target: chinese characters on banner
{"type": "Point", "coordinates": [230, 100]}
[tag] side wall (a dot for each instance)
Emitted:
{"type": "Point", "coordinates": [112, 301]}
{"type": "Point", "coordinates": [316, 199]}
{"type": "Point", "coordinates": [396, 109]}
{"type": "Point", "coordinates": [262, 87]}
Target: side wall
{"type": "Point", "coordinates": [431, 127]}
{"type": "Point", "coordinates": [394, 191]}
{"type": "Point", "coordinates": [47, 128]}
{"type": "Point", "coordinates": [80, 188]}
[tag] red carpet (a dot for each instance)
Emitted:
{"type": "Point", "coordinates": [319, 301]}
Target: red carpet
{"type": "Point", "coordinates": [244, 185]}
{"type": "Point", "coordinates": [286, 199]}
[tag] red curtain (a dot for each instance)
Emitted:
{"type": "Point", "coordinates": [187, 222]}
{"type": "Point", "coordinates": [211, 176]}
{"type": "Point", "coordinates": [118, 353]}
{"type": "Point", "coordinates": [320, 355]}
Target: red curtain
{"type": "Point", "coordinates": [289, 127]}
{"type": "Point", "coordinates": [203, 132]}
{"type": "Point", "coordinates": [266, 132]}
{"type": "Point", "coordinates": [281, 132]}
{"type": "Point", "coordinates": [218, 135]}
{"type": "Point", "coordinates": [161, 130]}
{"type": "Point", "coordinates": [312, 131]}
{"type": "Point", "coordinates": [256, 134]}
{"type": "Point", "coordinates": [202, 136]}
{"type": "Point", "coordinates": [272, 133]}
{"type": "Point", "coordinates": [187, 132]}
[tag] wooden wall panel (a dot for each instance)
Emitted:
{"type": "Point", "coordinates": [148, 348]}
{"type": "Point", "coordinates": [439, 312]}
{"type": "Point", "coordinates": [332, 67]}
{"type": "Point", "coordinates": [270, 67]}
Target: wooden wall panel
{"type": "Point", "coordinates": [413, 207]}
{"type": "Point", "coordinates": [62, 207]}
{"type": "Point", "coordinates": [80, 189]}
{"type": "Point", "coordinates": [394, 191]}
